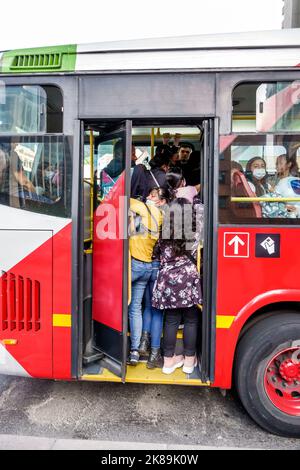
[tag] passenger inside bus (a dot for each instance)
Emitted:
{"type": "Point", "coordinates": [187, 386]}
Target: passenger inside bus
{"type": "Point", "coordinates": [260, 183]}
{"type": "Point", "coordinates": [146, 221]}
{"type": "Point", "coordinates": [143, 179]}
{"type": "Point", "coordinates": [187, 167]}
{"type": "Point", "coordinates": [169, 147]}
{"type": "Point", "coordinates": [13, 180]}
{"type": "Point", "coordinates": [193, 173]}
{"type": "Point", "coordinates": [153, 317]}
{"type": "Point", "coordinates": [159, 167]}
{"type": "Point", "coordinates": [286, 166]}
{"type": "Point", "coordinates": [177, 291]}
{"type": "Point", "coordinates": [174, 156]}
{"type": "Point", "coordinates": [288, 181]}
{"type": "Point", "coordinates": [177, 184]}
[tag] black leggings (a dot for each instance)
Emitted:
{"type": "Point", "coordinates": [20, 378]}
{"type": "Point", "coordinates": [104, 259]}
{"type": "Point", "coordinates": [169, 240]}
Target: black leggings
{"type": "Point", "coordinates": [173, 318]}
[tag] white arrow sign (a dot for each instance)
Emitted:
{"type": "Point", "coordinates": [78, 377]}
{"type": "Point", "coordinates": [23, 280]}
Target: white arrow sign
{"type": "Point", "coordinates": [237, 242]}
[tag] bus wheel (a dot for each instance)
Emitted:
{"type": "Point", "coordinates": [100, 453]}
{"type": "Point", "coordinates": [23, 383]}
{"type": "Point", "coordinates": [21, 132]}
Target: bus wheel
{"type": "Point", "coordinates": [267, 373]}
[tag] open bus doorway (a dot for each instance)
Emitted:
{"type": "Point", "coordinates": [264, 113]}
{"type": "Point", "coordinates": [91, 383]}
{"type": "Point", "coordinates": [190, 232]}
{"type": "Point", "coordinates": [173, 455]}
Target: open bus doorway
{"type": "Point", "coordinates": [106, 335]}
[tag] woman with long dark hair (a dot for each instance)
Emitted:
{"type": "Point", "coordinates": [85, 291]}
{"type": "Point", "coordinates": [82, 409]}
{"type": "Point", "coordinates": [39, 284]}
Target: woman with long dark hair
{"type": "Point", "coordinates": [178, 290]}
{"type": "Point", "coordinates": [286, 166]}
{"type": "Point", "coordinates": [177, 185]}
{"type": "Point", "coordinates": [288, 181]}
{"type": "Point", "coordinates": [256, 174]}
{"type": "Point", "coordinates": [153, 317]}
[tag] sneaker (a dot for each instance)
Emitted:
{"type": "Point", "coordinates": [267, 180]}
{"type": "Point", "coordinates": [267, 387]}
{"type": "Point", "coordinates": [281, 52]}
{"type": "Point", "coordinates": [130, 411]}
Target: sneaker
{"type": "Point", "coordinates": [171, 364]}
{"type": "Point", "coordinates": [144, 344]}
{"type": "Point", "coordinates": [189, 364]}
{"type": "Point", "coordinates": [133, 358]}
{"type": "Point", "coordinates": [155, 359]}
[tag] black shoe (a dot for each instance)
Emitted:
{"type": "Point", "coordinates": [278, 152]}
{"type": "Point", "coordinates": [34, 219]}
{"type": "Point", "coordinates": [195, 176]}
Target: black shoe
{"type": "Point", "coordinates": [144, 344]}
{"type": "Point", "coordinates": [133, 358]}
{"type": "Point", "coordinates": [155, 359]}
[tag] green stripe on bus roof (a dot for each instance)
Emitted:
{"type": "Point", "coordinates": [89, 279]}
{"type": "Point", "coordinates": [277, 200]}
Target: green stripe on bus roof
{"type": "Point", "coordinates": [40, 59]}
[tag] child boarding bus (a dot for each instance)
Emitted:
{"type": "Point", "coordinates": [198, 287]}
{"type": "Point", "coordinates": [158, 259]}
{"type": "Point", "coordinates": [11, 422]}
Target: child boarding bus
{"type": "Point", "coordinates": [65, 287]}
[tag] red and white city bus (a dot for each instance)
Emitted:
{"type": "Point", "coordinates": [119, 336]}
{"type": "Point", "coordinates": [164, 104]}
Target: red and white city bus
{"type": "Point", "coordinates": [64, 286]}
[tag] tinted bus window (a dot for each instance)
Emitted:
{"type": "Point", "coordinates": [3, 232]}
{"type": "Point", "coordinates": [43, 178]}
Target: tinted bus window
{"type": "Point", "coordinates": [30, 109]}
{"type": "Point", "coordinates": [35, 174]}
{"type": "Point", "coordinates": [266, 107]}
{"type": "Point", "coordinates": [259, 179]}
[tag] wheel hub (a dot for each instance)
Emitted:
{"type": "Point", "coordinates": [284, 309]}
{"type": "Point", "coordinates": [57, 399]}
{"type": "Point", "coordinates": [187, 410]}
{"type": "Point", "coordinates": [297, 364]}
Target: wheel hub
{"type": "Point", "coordinates": [282, 380]}
{"type": "Point", "coordinates": [289, 370]}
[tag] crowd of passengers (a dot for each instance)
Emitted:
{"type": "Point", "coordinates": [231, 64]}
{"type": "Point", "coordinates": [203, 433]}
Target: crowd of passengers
{"type": "Point", "coordinates": [165, 281]}
{"type": "Point", "coordinates": [285, 184]}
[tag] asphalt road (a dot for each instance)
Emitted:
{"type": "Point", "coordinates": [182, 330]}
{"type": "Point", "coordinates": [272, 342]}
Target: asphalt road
{"type": "Point", "coordinates": [140, 413]}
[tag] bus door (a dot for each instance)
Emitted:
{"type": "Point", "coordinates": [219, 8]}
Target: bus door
{"type": "Point", "coordinates": [110, 247]}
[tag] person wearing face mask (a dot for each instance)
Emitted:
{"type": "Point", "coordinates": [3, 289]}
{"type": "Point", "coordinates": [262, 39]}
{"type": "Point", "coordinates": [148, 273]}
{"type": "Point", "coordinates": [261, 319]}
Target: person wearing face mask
{"type": "Point", "coordinates": [257, 179]}
{"type": "Point", "coordinates": [256, 174]}
{"type": "Point", "coordinates": [145, 225]}
{"type": "Point", "coordinates": [153, 317]}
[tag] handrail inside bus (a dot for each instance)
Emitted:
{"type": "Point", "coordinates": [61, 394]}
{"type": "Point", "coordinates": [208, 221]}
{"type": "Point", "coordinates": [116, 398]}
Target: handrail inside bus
{"type": "Point", "coordinates": [152, 142]}
{"type": "Point", "coordinates": [265, 199]}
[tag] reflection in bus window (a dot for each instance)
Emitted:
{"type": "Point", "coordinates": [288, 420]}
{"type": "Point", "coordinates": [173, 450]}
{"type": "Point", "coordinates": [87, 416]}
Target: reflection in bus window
{"type": "Point", "coordinates": [111, 163]}
{"type": "Point", "coordinates": [35, 174]}
{"type": "Point", "coordinates": [30, 109]}
{"type": "Point", "coordinates": [266, 107]}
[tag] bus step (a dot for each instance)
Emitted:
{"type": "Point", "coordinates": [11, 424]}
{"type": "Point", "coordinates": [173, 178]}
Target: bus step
{"type": "Point", "coordinates": [93, 357]}
{"type": "Point", "coordinates": [140, 374]}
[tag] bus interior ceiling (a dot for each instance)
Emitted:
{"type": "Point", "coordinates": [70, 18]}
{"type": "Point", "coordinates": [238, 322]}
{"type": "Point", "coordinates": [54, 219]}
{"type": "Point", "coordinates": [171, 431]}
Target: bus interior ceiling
{"type": "Point", "coordinates": [97, 155]}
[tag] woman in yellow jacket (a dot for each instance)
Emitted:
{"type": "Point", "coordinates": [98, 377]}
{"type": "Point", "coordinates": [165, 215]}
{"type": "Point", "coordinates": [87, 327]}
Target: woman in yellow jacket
{"type": "Point", "coordinates": [145, 225]}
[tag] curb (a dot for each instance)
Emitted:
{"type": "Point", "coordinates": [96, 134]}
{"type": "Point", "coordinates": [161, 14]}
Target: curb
{"type": "Point", "coordinates": [16, 442]}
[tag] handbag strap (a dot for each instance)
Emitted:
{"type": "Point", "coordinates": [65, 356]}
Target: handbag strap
{"type": "Point", "coordinates": [155, 180]}
{"type": "Point", "coordinates": [191, 258]}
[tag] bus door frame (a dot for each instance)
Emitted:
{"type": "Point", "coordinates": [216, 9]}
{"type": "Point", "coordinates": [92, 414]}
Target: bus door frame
{"type": "Point", "coordinates": [209, 183]}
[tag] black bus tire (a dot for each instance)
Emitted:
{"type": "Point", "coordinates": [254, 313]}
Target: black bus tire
{"type": "Point", "coordinates": [254, 352]}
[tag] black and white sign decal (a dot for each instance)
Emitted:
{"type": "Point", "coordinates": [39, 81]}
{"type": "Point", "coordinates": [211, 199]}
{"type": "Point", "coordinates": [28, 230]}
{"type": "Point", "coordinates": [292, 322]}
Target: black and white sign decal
{"type": "Point", "coordinates": [267, 245]}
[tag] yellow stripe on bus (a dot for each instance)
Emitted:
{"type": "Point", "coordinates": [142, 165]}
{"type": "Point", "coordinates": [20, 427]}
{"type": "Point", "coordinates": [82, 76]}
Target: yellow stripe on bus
{"type": "Point", "coordinates": [62, 320]}
{"type": "Point", "coordinates": [224, 321]}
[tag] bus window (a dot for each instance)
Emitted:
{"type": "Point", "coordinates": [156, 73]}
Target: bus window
{"type": "Point", "coordinates": [110, 165]}
{"type": "Point", "coordinates": [30, 109]}
{"type": "Point", "coordinates": [35, 174]}
{"type": "Point", "coordinates": [260, 180]}
{"type": "Point", "coordinates": [266, 107]}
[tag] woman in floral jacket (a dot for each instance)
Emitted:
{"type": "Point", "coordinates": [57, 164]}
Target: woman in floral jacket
{"type": "Point", "coordinates": [178, 289]}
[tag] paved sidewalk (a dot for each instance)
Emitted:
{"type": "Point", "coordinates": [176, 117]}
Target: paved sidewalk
{"type": "Point", "coordinates": [15, 442]}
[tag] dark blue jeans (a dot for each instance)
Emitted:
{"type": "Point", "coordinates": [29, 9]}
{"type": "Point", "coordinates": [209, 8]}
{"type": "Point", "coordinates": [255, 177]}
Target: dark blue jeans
{"type": "Point", "coordinates": [140, 274]}
{"type": "Point", "coordinates": [152, 317]}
